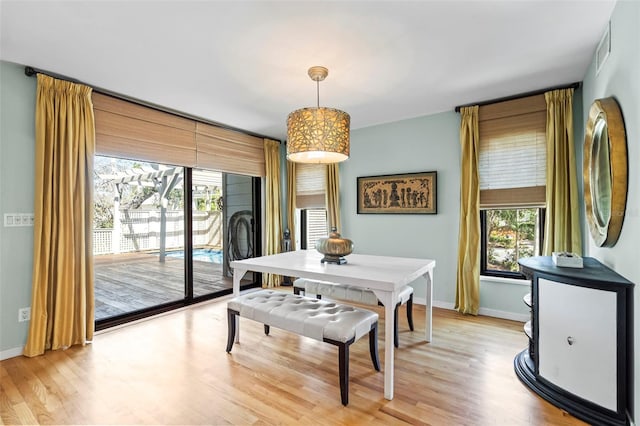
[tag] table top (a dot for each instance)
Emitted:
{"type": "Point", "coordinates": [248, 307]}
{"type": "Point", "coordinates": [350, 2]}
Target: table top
{"type": "Point", "coordinates": [374, 272]}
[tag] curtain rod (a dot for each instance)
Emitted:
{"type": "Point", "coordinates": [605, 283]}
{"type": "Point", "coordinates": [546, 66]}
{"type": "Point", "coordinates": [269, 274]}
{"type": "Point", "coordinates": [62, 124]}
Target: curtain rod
{"type": "Point", "coordinates": [521, 95]}
{"type": "Point", "coordinates": [31, 72]}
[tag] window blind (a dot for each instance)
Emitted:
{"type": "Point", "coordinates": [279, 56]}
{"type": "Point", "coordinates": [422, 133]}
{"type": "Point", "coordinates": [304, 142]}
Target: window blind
{"type": "Point", "coordinates": [512, 153]}
{"type": "Point", "coordinates": [129, 130]}
{"type": "Point", "coordinates": [310, 186]}
{"type": "Point", "coordinates": [229, 151]}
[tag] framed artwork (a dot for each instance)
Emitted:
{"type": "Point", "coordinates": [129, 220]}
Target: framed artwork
{"type": "Point", "coordinates": [411, 193]}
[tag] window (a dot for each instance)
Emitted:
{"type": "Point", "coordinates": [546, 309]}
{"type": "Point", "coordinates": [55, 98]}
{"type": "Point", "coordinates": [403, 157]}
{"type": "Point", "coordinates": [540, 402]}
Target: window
{"type": "Point", "coordinates": [512, 171]}
{"type": "Point", "coordinates": [313, 225]}
{"type": "Point", "coordinates": [164, 235]}
{"type": "Point", "coordinates": [509, 235]}
{"type": "Point", "coordinates": [176, 200]}
{"type": "Point", "coordinates": [310, 204]}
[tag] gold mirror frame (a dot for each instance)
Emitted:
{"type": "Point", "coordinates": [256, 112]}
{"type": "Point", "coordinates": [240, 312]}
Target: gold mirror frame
{"type": "Point", "coordinates": [605, 171]}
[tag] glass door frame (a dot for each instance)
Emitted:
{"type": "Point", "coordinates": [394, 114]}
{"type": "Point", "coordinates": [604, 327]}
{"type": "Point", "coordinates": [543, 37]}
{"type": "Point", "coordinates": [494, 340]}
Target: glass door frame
{"type": "Point", "coordinates": [189, 299]}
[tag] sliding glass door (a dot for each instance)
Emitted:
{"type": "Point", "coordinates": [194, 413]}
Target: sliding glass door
{"type": "Point", "coordinates": [164, 236]}
{"type": "Point", "coordinates": [223, 228]}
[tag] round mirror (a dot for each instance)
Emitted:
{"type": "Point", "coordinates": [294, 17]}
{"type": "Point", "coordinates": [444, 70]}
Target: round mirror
{"type": "Point", "coordinates": [601, 174]}
{"type": "Point", "coordinates": [605, 171]}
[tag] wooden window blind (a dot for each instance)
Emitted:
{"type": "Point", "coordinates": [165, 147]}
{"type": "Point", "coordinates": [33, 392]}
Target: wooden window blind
{"type": "Point", "coordinates": [310, 186]}
{"type": "Point", "coordinates": [129, 130]}
{"type": "Point", "coordinates": [512, 153]}
{"type": "Point", "coordinates": [229, 151]}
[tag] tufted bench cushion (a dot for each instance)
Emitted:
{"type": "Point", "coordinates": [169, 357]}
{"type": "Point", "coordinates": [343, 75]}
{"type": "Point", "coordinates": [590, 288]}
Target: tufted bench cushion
{"type": "Point", "coordinates": [357, 295]}
{"type": "Point", "coordinates": [318, 319]}
{"type": "Point", "coordinates": [321, 320]}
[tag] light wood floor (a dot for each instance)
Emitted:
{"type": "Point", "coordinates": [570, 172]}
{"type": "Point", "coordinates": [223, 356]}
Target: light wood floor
{"type": "Point", "coordinates": [174, 369]}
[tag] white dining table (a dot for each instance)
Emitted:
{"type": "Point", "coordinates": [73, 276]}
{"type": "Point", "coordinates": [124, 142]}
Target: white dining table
{"type": "Point", "coordinates": [385, 275]}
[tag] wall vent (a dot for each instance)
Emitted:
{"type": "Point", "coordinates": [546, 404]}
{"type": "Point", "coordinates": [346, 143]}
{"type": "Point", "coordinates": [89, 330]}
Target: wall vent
{"type": "Point", "coordinates": [604, 48]}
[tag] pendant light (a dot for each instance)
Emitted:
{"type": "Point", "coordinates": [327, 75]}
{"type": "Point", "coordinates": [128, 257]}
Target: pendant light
{"type": "Point", "coordinates": [318, 135]}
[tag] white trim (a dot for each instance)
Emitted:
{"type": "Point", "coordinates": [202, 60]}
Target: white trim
{"type": "Point", "coordinates": [502, 280]}
{"type": "Point", "coordinates": [504, 315]}
{"type": "Point", "coordinates": [483, 311]}
{"type": "Point", "coordinates": [11, 353]}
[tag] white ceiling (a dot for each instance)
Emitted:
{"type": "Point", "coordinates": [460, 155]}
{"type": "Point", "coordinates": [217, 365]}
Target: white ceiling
{"type": "Point", "coordinates": [244, 63]}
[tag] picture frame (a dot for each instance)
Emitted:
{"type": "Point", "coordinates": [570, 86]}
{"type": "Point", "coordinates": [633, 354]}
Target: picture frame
{"type": "Point", "coordinates": [407, 193]}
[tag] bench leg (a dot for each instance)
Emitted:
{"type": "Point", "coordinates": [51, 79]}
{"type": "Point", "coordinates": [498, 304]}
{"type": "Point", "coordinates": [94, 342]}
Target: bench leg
{"type": "Point", "coordinates": [343, 367]}
{"type": "Point", "coordinates": [266, 329]}
{"type": "Point", "coordinates": [231, 327]}
{"type": "Point", "coordinates": [373, 346]}
{"type": "Point", "coordinates": [410, 312]}
{"type": "Point", "coordinates": [343, 362]}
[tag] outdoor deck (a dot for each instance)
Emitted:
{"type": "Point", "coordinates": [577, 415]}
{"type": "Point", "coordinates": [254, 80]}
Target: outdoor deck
{"type": "Point", "coordinates": [132, 281]}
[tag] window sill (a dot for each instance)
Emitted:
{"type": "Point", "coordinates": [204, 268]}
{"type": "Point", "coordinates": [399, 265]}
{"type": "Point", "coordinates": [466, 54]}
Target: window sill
{"type": "Point", "coordinates": [502, 280]}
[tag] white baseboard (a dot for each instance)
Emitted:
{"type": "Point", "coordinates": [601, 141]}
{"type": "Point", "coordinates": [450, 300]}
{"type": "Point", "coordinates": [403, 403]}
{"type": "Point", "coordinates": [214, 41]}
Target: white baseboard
{"type": "Point", "coordinates": [513, 316]}
{"type": "Point", "coordinates": [11, 353]}
{"type": "Point", "coordinates": [483, 311]}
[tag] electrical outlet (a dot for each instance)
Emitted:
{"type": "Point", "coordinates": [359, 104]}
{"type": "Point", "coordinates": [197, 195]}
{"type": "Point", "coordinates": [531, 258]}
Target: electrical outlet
{"type": "Point", "coordinates": [24, 314]}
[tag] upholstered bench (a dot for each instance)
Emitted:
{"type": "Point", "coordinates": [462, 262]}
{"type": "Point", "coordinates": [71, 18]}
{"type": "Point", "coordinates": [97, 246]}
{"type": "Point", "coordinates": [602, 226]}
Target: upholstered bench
{"type": "Point", "coordinates": [357, 295]}
{"type": "Point", "coordinates": [340, 325]}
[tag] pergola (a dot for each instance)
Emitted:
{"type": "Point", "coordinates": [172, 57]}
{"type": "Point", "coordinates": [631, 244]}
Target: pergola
{"type": "Point", "coordinates": [164, 179]}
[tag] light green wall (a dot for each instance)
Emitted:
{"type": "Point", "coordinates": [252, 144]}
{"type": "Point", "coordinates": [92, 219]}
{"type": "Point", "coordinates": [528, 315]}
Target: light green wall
{"type": "Point", "coordinates": [620, 78]}
{"type": "Point", "coordinates": [429, 143]}
{"type": "Point", "coordinates": [416, 145]}
{"type": "Point", "coordinates": [17, 115]}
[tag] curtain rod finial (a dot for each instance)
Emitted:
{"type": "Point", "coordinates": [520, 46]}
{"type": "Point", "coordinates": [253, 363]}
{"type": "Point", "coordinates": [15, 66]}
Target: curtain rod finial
{"type": "Point", "coordinates": [29, 71]}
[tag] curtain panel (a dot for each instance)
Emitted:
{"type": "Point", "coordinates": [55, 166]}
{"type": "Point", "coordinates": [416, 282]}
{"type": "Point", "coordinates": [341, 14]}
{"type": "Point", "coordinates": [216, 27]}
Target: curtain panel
{"type": "Point", "coordinates": [333, 196]}
{"type": "Point", "coordinates": [562, 221]}
{"type": "Point", "coordinates": [62, 306]}
{"type": "Point", "coordinates": [291, 202]}
{"type": "Point", "coordinates": [468, 272]}
{"type": "Point", "coordinates": [273, 214]}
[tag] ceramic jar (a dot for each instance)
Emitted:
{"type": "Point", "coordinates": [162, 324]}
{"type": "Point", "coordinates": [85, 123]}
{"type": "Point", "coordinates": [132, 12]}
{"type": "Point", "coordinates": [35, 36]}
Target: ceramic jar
{"type": "Point", "coordinates": [334, 247]}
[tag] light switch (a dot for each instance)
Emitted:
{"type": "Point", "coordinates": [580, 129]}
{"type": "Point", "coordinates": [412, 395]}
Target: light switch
{"type": "Point", "coordinates": [18, 219]}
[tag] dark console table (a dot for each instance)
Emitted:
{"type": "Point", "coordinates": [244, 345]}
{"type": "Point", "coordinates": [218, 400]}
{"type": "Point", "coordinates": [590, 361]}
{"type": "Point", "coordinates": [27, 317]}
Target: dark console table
{"type": "Point", "coordinates": [580, 339]}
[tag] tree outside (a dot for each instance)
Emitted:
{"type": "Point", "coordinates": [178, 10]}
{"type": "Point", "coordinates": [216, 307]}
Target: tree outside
{"type": "Point", "coordinates": [511, 235]}
{"type": "Point", "coordinates": [131, 196]}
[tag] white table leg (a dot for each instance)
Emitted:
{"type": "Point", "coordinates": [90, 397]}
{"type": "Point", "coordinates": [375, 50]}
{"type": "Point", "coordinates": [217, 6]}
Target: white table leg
{"type": "Point", "coordinates": [429, 301]}
{"type": "Point", "coordinates": [237, 277]}
{"type": "Point", "coordinates": [387, 299]}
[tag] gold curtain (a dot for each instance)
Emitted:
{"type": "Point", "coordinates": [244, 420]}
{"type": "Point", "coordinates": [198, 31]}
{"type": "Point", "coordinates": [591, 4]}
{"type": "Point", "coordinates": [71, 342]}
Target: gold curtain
{"type": "Point", "coordinates": [62, 303]}
{"type": "Point", "coordinates": [332, 200]}
{"type": "Point", "coordinates": [291, 202]}
{"type": "Point", "coordinates": [468, 274]}
{"type": "Point", "coordinates": [273, 214]}
{"type": "Point", "coordinates": [562, 221]}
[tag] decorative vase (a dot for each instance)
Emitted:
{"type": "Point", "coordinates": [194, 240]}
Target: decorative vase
{"type": "Point", "coordinates": [334, 247]}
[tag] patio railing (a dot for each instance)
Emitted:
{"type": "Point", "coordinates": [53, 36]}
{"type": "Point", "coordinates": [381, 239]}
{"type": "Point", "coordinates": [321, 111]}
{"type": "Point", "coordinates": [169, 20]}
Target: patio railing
{"type": "Point", "coordinates": [140, 231]}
